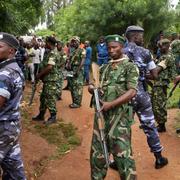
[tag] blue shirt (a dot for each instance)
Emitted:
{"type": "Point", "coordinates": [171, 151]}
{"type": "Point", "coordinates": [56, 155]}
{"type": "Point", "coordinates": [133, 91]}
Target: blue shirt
{"type": "Point", "coordinates": [102, 50]}
{"type": "Point", "coordinates": [11, 87]}
{"type": "Point", "coordinates": [88, 56]}
{"type": "Point", "coordinates": [141, 57]}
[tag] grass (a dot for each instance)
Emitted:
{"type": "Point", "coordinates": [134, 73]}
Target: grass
{"type": "Point", "coordinates": [174, 100]}
{"type": "Point", "coordinates": [62, 135]}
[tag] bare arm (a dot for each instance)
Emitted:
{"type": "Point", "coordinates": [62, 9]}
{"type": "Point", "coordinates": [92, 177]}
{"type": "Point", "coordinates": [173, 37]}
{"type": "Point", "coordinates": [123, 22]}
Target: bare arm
{"type": "Point", "coordinates": [2, 101]}
{"type": "Point", "coordinates": [45, 71]}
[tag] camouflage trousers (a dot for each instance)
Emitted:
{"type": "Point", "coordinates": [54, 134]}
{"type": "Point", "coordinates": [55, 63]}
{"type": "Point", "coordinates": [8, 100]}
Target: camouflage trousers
{"type": "Point", "coordinates": [159, 100]}
{"type": "Point", "coordinates": [143, 107]}
{"type": "Point", "coordinates": [10, 152]}
{"type": "Point", "coordinates": [118, 139]}
{"type": "Point", "coordinates": [49, 97]}
{"type": "Point", "coordinates": [76, 88]}
{"type": "Point", "coordinates": [60, 85]}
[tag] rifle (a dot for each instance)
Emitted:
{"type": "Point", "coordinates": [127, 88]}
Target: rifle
{"type": "Point", "coordinates": [95, 71]}
{"type": "Point", "coordinates": [33, 93]}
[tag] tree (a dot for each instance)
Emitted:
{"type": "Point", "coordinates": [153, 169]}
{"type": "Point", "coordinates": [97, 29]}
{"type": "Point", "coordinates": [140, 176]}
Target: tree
{"type": "Point", "coordinates": [90, 19]}
{"type": "Point", "coordinates": [19, 16]}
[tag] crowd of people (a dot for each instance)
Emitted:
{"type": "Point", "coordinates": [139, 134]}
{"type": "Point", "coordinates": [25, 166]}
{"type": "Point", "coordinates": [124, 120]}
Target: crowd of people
{"type": "Point", "coordinates": [127, 69]}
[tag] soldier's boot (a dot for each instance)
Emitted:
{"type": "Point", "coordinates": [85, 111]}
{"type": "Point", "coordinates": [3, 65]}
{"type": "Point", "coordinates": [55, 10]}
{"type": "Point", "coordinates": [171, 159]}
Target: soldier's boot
{"type": "Point", "coordinates": [51, 119]}
{"type": "Point", "coordinates": [161, 127]}
{"type": "Point", "coordinates": [73, 105]}
{"type": "Point", "coordinates": [39, 117]}
{"type": "Point", "coordinates": [113, 165]}
{"type": "Point", "coordinates": [160, 160]}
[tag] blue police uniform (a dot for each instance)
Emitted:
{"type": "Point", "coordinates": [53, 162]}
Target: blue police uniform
{"type": "Point", "coordinates": [87, 63]}
{"type": "Point", "coordinates": [11, 87]}
{"type": "Point", "coordinates": [102, 53]}
{"type": "Point", "coordinates": [142, 103]}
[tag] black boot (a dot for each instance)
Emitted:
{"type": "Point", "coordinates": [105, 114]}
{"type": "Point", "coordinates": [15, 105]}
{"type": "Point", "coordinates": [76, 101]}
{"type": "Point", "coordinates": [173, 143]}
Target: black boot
{"type": "Point", "coordinates": [161, 127]}
{"type": "Point", "coordinates": [52, 119]}
{"type": "Point", "coordinates": [113, 165]}
{"type": "Point", "coordinates": [39, 117]}
{"type": "Point", "coordinates": [160, 160]}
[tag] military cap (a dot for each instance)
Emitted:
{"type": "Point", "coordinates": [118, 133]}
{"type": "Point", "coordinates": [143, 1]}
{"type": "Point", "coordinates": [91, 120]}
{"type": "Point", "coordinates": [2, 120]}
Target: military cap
{"type": "Point", "coordinates": [164, 41]}
{"type": "Point", "coordinates": [75, 38]}
{"type": "Point", "coordinates": [51, 40]}
{"type": "Point", "coordinates": [9, 39]}
{"type": "Point", "coordinates": [134, 28]}
{"type": "Point", "coordinates": [115, 38]}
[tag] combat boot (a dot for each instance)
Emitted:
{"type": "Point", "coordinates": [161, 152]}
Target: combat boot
{"type": "Point", "coordinates": [39, 117]}
{"type": "Point", "coordinates": [51, 119]}
{"type": "Point", "coordinates": [161, 127]}
{"type": "Point", "coordinates": [160, 160]}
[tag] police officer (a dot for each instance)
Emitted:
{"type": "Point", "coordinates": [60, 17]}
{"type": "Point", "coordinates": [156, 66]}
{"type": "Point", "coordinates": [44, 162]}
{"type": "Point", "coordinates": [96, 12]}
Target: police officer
{"type": "Point", "coordinates": [11, 87]}
{"type": "Point", "coordinates": [118, 81]}
{"type": "Point", "coordinates": [49, 75]}
{"type": "Point", "coordinates": [142, 103]}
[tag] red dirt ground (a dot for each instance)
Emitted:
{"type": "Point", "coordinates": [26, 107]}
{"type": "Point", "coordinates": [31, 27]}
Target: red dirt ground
{"type": "Point", "coordinates": [75, 164]}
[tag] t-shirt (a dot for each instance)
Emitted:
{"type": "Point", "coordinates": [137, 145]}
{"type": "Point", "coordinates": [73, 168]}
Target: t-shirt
{"type": "Point", "coordinates": [36, 58]}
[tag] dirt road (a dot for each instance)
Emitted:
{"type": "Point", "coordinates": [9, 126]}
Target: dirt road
{"type": "Point", "coordinates": [75, 165]}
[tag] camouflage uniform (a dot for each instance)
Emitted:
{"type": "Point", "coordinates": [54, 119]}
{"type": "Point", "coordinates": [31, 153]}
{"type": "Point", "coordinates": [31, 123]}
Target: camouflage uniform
{"type": "Point", "coordinates": [11, 86]}
{"type": "Point", "coordinates": [50, 91]}
{"type": "Point", "coordinates": [116, 79]}
{"type": "Point", "coordinates": [175, 47]}
{"type": "Point", "coordinates": [60, 65]}
{"type": "Point", "coordinates": [142, 102]}
{"type": "Point", "coordinates": [76, 82]}
{"type": "Point", "coordinates": [159, 90]}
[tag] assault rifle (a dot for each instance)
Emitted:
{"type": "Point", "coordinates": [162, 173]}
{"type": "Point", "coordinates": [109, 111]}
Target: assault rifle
{"type": "Point", "coordinates": [33, 93]}
{"type": "Point", "coordinates": [95, 71]}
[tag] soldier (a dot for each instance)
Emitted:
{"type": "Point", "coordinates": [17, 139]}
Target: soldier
{"type": "Point", "coordinates": [49, 75]}
{"type": "Point", "coordinates": [61, 66]}
{"type": "Point", "coordinates": [75, 64]}
{"type": "Point", "coordinates": [11, 87]}
{"type": "Point", "coordinates": [159, 90]}
{"type": "Point", "coordinates": [142, 102]}
{"type": "Point", "coordinates": [118, 82]}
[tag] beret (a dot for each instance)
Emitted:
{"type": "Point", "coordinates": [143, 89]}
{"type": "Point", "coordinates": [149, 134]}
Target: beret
{"type": "Point", "coordinates": [9, 39]}
{"type": "Point", "coordinates": [51, 40]}
{"type": "Point", "coordinates": [134, 28]}
{"type": "Point", "coordinates": [115, 38]}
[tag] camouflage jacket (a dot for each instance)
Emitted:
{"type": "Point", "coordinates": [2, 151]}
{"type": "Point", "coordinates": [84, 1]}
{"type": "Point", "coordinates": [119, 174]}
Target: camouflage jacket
{"type": "Point", "coordinates": [175, 47]}
{"type": "Point", "coordinates": [116, 79]}
{"type": "Point", "coordinates": [167, 74]}
{"type": "Point", "coordinates": [61, 60]}
{"type": "Point", "coordinates": [51, 58]}
{"type": "Point", "coordinates": [76, 57]}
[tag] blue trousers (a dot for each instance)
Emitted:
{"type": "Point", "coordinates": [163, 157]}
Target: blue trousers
{"type": "Point", "coordinates": [102, 61]}
{"type": "Point", "coordinates": [10, 152]}
{"type": "Point", "coordinates": [86, 72]}
{"type": "Point", "coordinates": [143, 107]}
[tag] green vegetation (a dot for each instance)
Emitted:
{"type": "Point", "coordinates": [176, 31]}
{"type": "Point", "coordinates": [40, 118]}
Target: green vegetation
{"type": "Point", "coordinates": [18, 16]}
{"type": "Point", "coordinates": [90, 19]}
{"type": "Point", "coordinates": [175, 98]}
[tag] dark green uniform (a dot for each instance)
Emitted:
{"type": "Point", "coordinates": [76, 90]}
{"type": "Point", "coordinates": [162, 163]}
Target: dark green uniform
{"type": "Point", "coordinates": [76, 82]}
{"type": "Point", "coordinates": [159, 90]}
{"type": "Point", "coordinates": [50, 91]}
{"type": "Point", "coordinates": [116, 79]}
{"type": "Point", "coordinates": [60, 65]}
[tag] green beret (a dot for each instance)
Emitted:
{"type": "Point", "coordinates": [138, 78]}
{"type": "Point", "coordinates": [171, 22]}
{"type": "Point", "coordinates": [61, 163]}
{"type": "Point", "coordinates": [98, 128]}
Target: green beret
{"type": "Point", "coordinates": [115, 38]}
{"type": "Point", "coordinates": [164, 41]}
{"type": "Point", "coordinates": [9, 39]}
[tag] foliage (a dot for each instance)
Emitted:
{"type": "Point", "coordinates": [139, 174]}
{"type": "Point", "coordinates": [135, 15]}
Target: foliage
{"type": "Point", "coordinates": [44, 32]}
{"type": "Point", "coordinates": [91, 19]}
{"type": "Point", "coordinates": [19, 16]}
